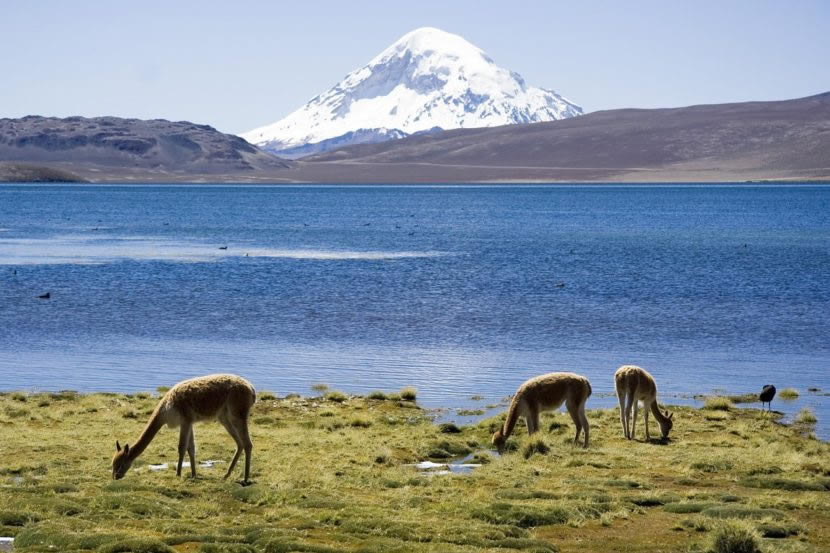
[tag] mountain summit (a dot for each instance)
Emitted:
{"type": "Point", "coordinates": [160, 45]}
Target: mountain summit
{"type": "Point", "coordinates": [428, 80]}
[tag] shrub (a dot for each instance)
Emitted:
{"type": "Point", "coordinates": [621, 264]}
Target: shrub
{"type": "Point", "coordinates": [735, 537]}
{"type": "Point", "coordinates": [788, 393]}
{"type": "Point", "coordinates": [409, 393]}
{"type": "Point", "coordinates": [378, 395]}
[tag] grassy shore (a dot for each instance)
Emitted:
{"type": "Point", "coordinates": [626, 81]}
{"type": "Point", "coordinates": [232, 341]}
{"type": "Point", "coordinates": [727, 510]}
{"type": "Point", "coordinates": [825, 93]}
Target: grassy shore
{"type": "Point", "coordinates": [335, 475]}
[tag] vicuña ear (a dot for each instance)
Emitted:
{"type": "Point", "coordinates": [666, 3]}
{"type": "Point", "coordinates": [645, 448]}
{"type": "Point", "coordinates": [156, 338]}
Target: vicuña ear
{"type": "Point", "coordinates": [117, 446]}
{"type": "Point", "coordinates": [126, 448]}
{"type": "Point", "coordinates": [671, 415]}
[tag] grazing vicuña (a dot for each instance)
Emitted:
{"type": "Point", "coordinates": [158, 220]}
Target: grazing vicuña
{"type": "Point", "coordinates": [546, 393]}
{"type": "Point", "coordinates": [224, 397]}
{"type": "Point", "coordinates": [632, 384]}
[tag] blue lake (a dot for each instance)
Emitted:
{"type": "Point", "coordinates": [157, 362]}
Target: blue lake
{"type": "Point", "coordinates": [458, 291]}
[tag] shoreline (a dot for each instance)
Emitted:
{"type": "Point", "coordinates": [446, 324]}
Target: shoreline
{"type": "Point", "coordinates": [365, 492]}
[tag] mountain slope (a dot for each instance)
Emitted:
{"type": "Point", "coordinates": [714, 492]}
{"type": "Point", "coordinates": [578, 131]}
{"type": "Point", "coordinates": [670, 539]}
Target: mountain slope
{"type": "Point", "coordinates": [115, 144]}
{"type": "Point", "coordinates": [787, 139]}
{"type": "Point", "coordinates": [428, 80]}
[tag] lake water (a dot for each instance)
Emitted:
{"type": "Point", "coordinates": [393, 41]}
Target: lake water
{"type": "Point", "coordinates": [458, 291]}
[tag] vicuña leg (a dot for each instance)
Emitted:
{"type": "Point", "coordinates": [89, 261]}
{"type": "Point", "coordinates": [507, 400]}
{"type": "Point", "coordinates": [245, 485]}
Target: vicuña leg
{"type": "Point", "coordinates": [232, 431]}
{"type": "Point", "coordinates": [634, 420]}
{"type": "Point", "coordinates": [191, 452]}
{"type": "Point", "coordinates": [577, 414]}
{"type": "Point", "coordinates": [585, 426]}
{"type": "Point", "coordinates": [645, 421]}
{"type": "Point", "coordinates": [184, 438]}
{"type": "Point", "coordinates": [532, 420]}
{"type": "Point", "coordinates": [248, 445]}
{"type": "Point", "coordinates": [623, 419]}
{"type": "Point", "coordinates": [630, 401]}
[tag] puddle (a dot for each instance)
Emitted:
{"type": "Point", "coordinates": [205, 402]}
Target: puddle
{"type": "Point", "coordinates": [202, 464]}
{"type": "Point", "coordinates": [459, 466]}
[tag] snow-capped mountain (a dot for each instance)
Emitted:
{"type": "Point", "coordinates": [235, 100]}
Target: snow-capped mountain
{"type": "Point", "coordinates": [426, 81]}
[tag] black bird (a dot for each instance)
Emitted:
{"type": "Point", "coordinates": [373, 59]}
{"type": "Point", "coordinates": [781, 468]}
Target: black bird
{"type": "Point", "coordinates": [223, 247]}
{"type": "Point", "coordinates": [45, 296]}
{"type": "Point", "coordinates": [766, 395]}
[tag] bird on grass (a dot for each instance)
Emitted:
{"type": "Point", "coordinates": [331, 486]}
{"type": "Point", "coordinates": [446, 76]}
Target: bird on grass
{"type": "Point", "coordinates": [766, 395]}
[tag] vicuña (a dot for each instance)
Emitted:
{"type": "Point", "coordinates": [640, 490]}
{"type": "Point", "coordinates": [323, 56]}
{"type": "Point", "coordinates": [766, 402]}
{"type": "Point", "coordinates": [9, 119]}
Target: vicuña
{"type": "Point", "coordinates": [634, 383]}
{"type": "Point", "coordinates": [224, 397]}
{"type": "Point", "coordinates": [546, 393]}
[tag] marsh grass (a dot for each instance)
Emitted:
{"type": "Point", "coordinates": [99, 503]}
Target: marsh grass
{"type": "Point", "coordinates": [409, 393]}
{"type": "Point", "coordinates": [806, 416]}
{"type": "Point", "coordinates": [788, 393]}
{"type": "Point", "coordinates": [337, 476]}
{"type": "Point", "coordinates": [735, 537]}
{"type": "Point", "coordinates": [718, 403]}
{"type": "Point", "coordinates": [336, 396]}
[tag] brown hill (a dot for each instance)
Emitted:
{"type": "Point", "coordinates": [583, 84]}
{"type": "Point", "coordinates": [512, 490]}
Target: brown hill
{"type": "Point", "coordinates": [115, 149]}
{"type": "Point", "coordinates": [753, 140]}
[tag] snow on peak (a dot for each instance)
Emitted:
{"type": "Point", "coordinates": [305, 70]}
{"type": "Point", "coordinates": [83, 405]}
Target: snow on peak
{"type": "Point", "coordinates": [429, 40]}
{"type": "Point", "coordinates": [428, 79]}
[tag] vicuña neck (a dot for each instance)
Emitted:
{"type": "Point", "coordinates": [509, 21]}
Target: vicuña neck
{"type": "Point", "coordinates": [655, 410]}
{"type": "Point", "coordinates": [153, 426]}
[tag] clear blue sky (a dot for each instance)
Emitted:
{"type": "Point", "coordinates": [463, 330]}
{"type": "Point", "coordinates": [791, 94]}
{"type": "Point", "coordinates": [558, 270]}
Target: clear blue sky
{"type": "Point", "coordinates": [241, 64]}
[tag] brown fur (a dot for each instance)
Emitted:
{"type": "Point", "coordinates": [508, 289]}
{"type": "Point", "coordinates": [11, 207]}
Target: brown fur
{"type": "Point", "coordinates": [635, 384]}
{"type": "Point", "coordinates": [546, 393]}
{"type": "Point", "coordinates": [224, 397]}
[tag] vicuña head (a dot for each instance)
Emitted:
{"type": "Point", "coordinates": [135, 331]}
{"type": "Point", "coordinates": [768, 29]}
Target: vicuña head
{"type": "Point", "coordinates": [121, 461]}
{"type": "Point", "coordinates": [224, 397]}
{"type": "Point", "coordinates": [499, 439]}
{"type": "Point", "coordinates": [546, 393]}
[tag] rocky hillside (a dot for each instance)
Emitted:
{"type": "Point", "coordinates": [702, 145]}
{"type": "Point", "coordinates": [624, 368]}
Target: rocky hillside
{"type": "Point", "coordinates": [89, 145]}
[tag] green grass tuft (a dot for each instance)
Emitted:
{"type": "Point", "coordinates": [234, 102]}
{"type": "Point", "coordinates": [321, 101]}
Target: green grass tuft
{"type": "Point", "coordinates": [788, 393]}
{"type": "Point", "coordinates": [780, 529]}
{"type": "Point", "coordinates": [533, 447]}
{"type": "Point", "coordinates": [785, 484]}
{"type": "Point", "coordinates": [336, 396]}
{"type": "Point", "coordinates": [137, 545]}
{"type": "Point", "coordinates": [736, 511]}
{"type": "Point", "coordinates": [378, 395]}
{"type": "Point", "coordinates": [735, 537]}
{"type": "Point", "coordinates": [806, 416]}
{"type": "Point", "coordinates": [522, 516]}
{"type": "Point", "coordinates": [409, 393]}
{"type": "Point", "coordinates": [718, 403]}
{"type": "Point", "coordinates": [449, 428]}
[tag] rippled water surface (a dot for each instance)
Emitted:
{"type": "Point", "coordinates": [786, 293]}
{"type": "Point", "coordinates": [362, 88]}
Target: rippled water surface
{"type": "Point", "coordinates": [459, 291]}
